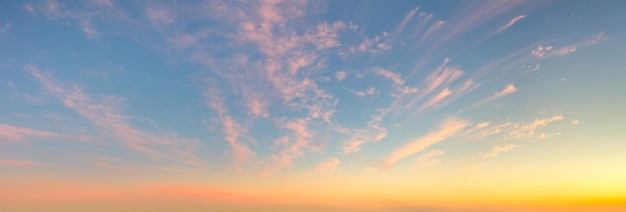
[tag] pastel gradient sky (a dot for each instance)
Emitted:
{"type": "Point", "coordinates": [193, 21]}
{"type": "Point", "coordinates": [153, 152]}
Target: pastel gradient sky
{"type": "Point", "coordinates": [312, 105]}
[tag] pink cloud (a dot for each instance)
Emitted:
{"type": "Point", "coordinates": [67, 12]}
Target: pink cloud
{"type": "Point", "coordinates": [105, 113]}
{"type": "Point", "coordinates": [340, 75]}
{"type": "Point", "coordinates": [397, 80]}
{"type": "Point", "coordinates": [373, 132]}
{"type": "Point", "coordinates": [17, 163]}
{"type": "Point", "coordinates": [231, 129]}
{"type": "Point", "coordinates": [544, 51]}
{"type": "Point", "coordinates": [511, 22]}
{"type": "Point", "coordinates": [293, 146]}
{"type": "Point", "coordinates": [394, 77]}
{"type": "Point", "coordinates": [19, 133]}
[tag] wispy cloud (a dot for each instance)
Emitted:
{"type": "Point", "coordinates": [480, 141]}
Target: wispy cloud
{"type": "Point", "coordinates": [231, 129]}
{"type": "Point", "coordinates": [511, 131]}
{"type": "Point", "coordinates": [509, 89]}
{"type": "Point", "coordinates": [373, 132]}
{"type": "Point", "coordinates": [328, 166]}
{"type": "Point", "coordinates": [340, 75]}
{"type": "Point", "coordinates": [29, 7]}
{"type": "Point", "coordinates": [397, 80]}
{"type": "Point", "coordinates": [160, 16]}
{"type": "Point", "coordinates": [435, 99]}
{"type": "Point", "coordinates": [442, 76]}
{"type": "Point", "coordinates": [544, 51]}
{"type": "Point", "coordinates": [372, 45]}
{"type": "Point", "coordinates": [511, 22]}
{"type": "Point", "coordinates": [105, 113]}
{"type": "Point", "coordinates": [368, 92]}
{"type": "Point", "coordinates": [447, 128]}
{"type": "Point", "coordinates": [17, 163]}
{"type": "Point", "coordinates": [429, 159]}
{"type": "Point", "coordinates": [292, 146]}
{"type": "Point", "coordinates": [498, 149]}
{"type": "Point", "coordinates": [5, 28]}
{"type": "Point", "coordinates": [19, 133]}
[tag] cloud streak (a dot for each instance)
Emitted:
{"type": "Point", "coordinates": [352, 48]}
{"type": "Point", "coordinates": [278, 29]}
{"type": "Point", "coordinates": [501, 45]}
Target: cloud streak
{"type": "Point", "coordinates": [20, 133]}
{"type": "Point", "coordinates": [496, 150]}
{"type": "Point", "coordinates": [447, 128]}
{"type": "Point", "coordinates": [511, 22]}
{"type": "Point", "coordinates": [105, 113]}
{"type": "Point", "coordinates": [17, 163]}
{"type": "Point", "coordinates": [232, 130]}
{"type": "Point", "coordinates": [509, 89]}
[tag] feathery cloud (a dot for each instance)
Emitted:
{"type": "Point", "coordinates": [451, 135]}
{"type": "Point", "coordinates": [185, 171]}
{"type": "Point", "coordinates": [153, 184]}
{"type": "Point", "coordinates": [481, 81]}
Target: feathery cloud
{"type": "Point", "coordinates": [231, 129]}
{"type": "Point", "coordinates": [447, 128]}
{"type": "Point", "coordinates": [544, 51]}
{"type": "Point", "coordinates": [341, 75]}
{"type": "Point", "coordinates": [528, 131]}
{"type": "Point", "coordinates": [105, 113]}
{"type": "Point", "coordinates": [498, 149]}
{"type": "Point", "coordinates": [397, 80]}
{"type": "Point", "coordinates": [373, 132]}
{"type": "Point", "coordinates": [511, 22]}
{"type": "Point", "coordinates": [19, 133]}
{"type": "Point", "coordinates": [509, 89]}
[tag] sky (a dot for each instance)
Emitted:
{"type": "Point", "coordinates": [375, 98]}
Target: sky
{"type": "Point", "coordinates": [312, 105]}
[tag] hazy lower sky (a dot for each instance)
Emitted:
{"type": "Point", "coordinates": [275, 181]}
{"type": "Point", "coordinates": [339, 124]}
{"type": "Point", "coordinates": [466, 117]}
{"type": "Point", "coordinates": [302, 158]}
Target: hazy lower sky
{"type": "Point", "coordinates": [312, 105]}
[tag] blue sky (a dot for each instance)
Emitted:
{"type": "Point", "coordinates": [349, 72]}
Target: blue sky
{"type": "Point", "coordinates": [289, 90]}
